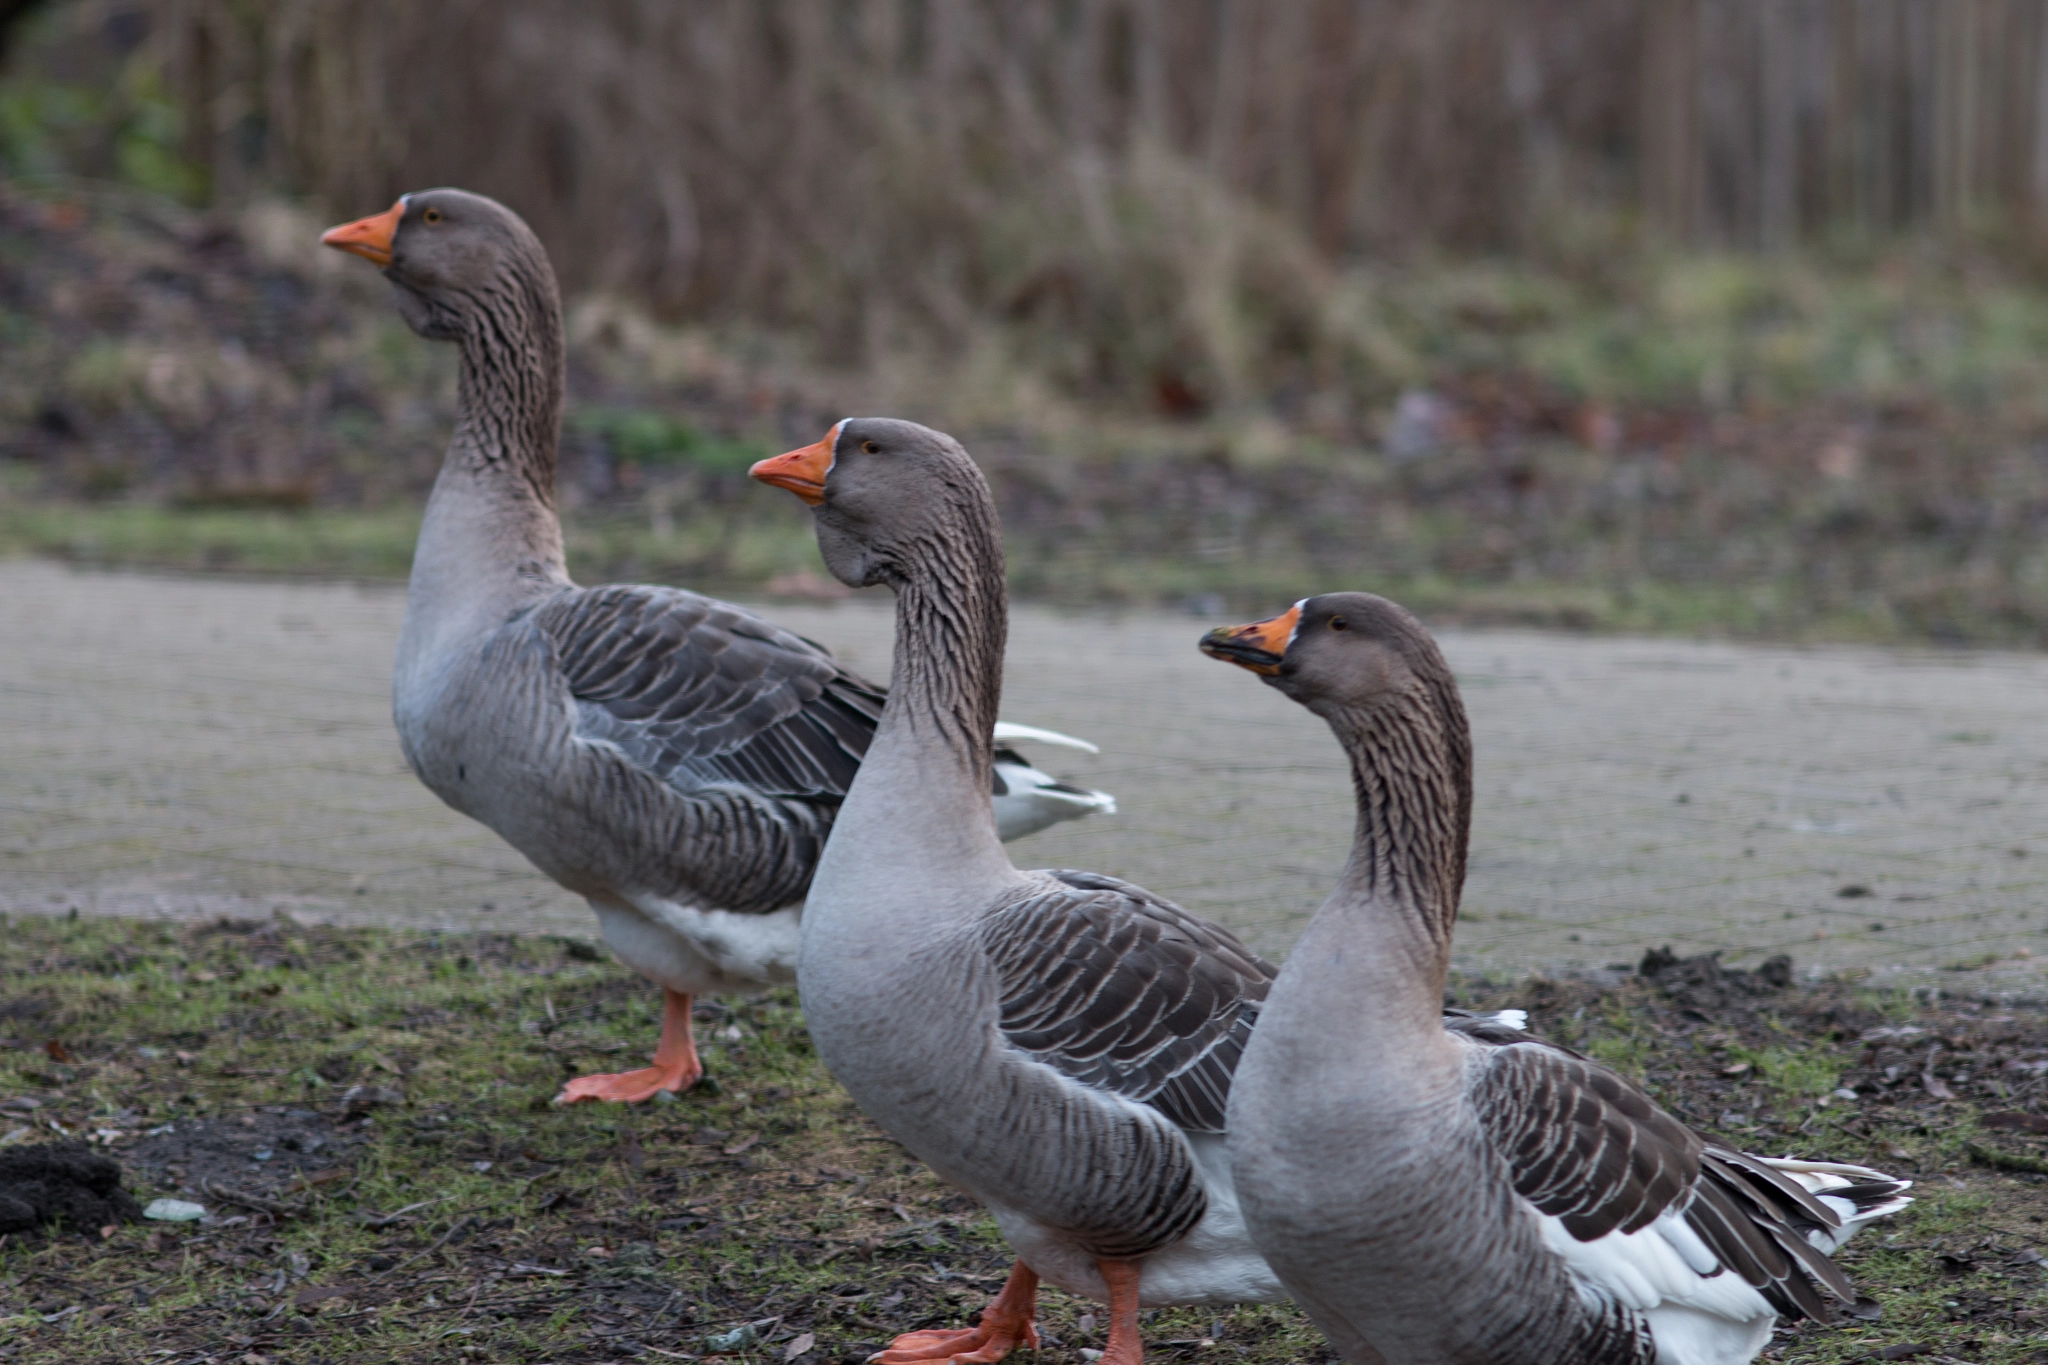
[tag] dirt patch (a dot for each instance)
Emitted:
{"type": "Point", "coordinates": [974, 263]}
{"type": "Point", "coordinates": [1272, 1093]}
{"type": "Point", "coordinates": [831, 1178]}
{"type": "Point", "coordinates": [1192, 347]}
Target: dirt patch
{"type": "Point", "coordinates": [273, 1152]}
{"type": "Point", "coordinates": [62, 1185]}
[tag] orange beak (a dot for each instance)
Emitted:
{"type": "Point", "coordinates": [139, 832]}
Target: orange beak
{"type": "Point", "coordinates": [1258, 646]}
{"type": "Point", "coordinates": [369, 238]}
{"type": "Point", "coordinates": [802, 472]}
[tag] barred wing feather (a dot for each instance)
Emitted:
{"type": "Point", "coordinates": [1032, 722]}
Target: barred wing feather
{"type": "Point", "coordinates": [1120, 989]}
{"type": "Point", "coordinates": [702, 693]}
{"type": "Point", "coordinates": [1589, 1150]}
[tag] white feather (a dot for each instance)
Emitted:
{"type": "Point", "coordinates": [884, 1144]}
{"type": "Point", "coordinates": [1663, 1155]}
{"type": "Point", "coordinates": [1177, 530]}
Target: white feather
{"type": "Point", "coordinates": [1032, 800]}
{"type": "Point", "coordinates": [1698, 1314]}
{"type": "Point", "coordinates": [1821, 1176]}
{"type": "Point", "coordinates": [1009, 732]}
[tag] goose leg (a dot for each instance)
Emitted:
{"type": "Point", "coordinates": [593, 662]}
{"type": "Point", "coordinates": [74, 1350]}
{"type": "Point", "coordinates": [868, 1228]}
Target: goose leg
{"type": "Point", "coordinates": [676, 1066]}
{"type": "Point", "coordinates": [1005, 1324]}
{"type": "Point", "coordinates": [1125, 1346]}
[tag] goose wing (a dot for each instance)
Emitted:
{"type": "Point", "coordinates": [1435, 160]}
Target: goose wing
{"type": "Point", "coordinates": [702, 693]}
{"type": "Point", "coordinates": [1120, 989]}
{"type": "Point", "coordinates": [1651, 1210]}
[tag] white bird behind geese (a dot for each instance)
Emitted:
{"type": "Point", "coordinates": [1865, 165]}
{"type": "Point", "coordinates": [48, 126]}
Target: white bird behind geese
{"type": "Point", "coordinates": [675, 760]}
{"type": "Point", "coordinates": [1463, 1197]}
{"type": "Point", "coordinates": [1059, 1044]}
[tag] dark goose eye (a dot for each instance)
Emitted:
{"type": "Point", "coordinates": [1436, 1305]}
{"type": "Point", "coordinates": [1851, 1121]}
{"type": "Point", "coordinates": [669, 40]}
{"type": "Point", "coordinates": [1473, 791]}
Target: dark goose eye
{"type": "Point", "coordinates": [431, 216]}
{"type": "Point", "coordinates": [1337, 623]}
{"type": "Point", "coordinates": [869, 446]}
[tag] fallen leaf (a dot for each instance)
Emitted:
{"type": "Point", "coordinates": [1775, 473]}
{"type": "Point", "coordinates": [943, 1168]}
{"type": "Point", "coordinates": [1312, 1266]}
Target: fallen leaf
{"type": "Point", "coordinates": [1935, 1086]}
{"type": "Point", "coordinates": [800, 1345]}
{"type": "Point", "coordinates": [743, 1144]}
{"type": "Point", "coordinates": [58, 1052]}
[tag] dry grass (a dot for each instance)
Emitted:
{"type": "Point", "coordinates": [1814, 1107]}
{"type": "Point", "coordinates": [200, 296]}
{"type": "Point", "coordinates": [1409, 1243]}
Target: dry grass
{"type": "Point", "coordinates": [1147, 199]}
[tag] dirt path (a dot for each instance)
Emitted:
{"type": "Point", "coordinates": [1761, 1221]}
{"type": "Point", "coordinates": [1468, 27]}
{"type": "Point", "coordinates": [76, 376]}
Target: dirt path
{"type": "Point", "coordinates": [189, 747]}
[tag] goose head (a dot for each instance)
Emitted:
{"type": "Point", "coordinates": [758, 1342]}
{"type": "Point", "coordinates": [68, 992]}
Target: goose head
{"type": "Point", "coordinates": [886, 495]}
{"type": "Point", "coordinates": [450, 255]}
{"type": "Point", "coordinates": [1343, 653]}
{"type": "Point", "coordinates": [1371, 671]}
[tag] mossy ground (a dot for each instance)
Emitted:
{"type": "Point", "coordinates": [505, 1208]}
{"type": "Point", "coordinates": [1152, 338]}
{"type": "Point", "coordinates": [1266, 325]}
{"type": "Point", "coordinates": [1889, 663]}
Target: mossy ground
{"type": "Point", "coordinates": [761, 1218]}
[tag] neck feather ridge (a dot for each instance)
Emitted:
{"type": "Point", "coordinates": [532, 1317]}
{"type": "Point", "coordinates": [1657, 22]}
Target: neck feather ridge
{"type": "Point", "coordinates": [512, 383]}
{"type": "Point", "coordinates": [1411, 772]}
{"type": "Point", "coordinates": [952, 622]}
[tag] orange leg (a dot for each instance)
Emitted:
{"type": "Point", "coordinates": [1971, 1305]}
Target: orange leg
{"type": "Point", "coordinates": [676, 1066]}
{"type": "Point", "coordinates": [1125, 1346]}
{"type": "Point", "coordinates": [1007, 1323]}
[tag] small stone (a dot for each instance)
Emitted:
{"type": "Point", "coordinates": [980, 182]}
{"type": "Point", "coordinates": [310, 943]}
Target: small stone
{"type": "Point", "coordinates": [174, 1211]}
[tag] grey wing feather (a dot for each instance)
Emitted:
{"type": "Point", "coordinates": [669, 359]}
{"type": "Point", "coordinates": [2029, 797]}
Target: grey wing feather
{"type": "Point", "coordinates": [702, 694]}
{"type": "Point", "coordinates": [1120, 989]}
{"type": "Point", "coordinates": [1585, 1146]}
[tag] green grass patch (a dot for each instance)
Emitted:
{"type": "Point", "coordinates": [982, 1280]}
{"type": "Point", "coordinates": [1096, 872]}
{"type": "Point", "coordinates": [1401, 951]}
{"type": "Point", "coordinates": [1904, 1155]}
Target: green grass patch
{"type": "Point", "coordinates": [759, 1210]}
{"type": "Point", "coordinates": [366, 1114]}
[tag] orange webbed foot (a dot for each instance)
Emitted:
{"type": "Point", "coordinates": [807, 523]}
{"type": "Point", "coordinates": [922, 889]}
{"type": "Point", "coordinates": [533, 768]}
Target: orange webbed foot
{"type": "Point", "coordinates": [676, 1065]}
{"type": "Point", "coordinates": [631, 1087]}
{"type": "Point", "coordinates": [969, 1344]}
{"type": "Point", "coordinates": [1009, 1322]}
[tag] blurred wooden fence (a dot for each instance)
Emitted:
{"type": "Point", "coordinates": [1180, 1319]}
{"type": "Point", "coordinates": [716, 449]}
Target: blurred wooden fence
{"type": "Point", "coordinates": [751, 155]}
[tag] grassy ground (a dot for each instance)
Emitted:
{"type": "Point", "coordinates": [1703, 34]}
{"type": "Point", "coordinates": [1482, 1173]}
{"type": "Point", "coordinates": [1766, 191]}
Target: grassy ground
{"type": "Point", "coordinates": [731, 554]}
{"type": "Point", "coordinates": [366, 1116]}
{"type": "Point", "coordinates": [768, 549]}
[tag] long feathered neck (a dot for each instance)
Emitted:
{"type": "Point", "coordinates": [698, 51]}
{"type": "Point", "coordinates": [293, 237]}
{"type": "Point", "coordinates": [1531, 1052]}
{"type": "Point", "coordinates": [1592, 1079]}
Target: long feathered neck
{"type": "Point", "coordinates": [952, 622]}
{"type": "Point", "coordinates": [1411, 771]}
{"type": "Point", "coordinates": [917, 832]}
{"type": "Point", "coordinates": [513, 379]}
{"type": "Point", "coordinates": [490, 541]}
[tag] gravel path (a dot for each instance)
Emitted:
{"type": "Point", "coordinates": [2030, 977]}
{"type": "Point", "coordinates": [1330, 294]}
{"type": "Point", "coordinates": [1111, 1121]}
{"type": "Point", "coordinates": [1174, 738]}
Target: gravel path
{"type": "Point", "coordinates": [194, 747]}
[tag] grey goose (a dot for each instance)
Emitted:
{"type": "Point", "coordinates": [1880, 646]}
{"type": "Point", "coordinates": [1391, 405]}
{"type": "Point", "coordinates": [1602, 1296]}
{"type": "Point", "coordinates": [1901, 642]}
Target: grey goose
{"type": "Point", "coordinates": [675, 760]}
{"type": "Point", "coordinates": [1058, 1043]}
{"type": "Point", "coordinates": [1481, 1197]}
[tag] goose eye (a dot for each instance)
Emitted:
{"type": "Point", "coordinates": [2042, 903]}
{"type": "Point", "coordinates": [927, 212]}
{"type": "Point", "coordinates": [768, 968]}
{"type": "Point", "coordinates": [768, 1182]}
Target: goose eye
{"type": "Point", "coordinates": [869, 446]}
{"type": "Point", "coordinates": [1337, 623]}
{"type": "Point", "coordinates": [431, 216]}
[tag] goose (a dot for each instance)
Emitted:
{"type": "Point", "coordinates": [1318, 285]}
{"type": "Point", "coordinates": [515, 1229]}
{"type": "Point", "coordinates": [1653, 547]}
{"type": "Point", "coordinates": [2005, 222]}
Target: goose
{"type": "Point", "coordinates": [1058, 1043]}
{"type": "Point", "coordinates": [675, 760]}
{"type": "Point", "coordinates": [1481, 1197]}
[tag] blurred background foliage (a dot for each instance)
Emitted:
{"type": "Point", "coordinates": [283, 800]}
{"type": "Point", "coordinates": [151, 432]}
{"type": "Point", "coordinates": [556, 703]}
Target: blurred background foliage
{"type": "Point", "coordinates": [1686, 314]}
